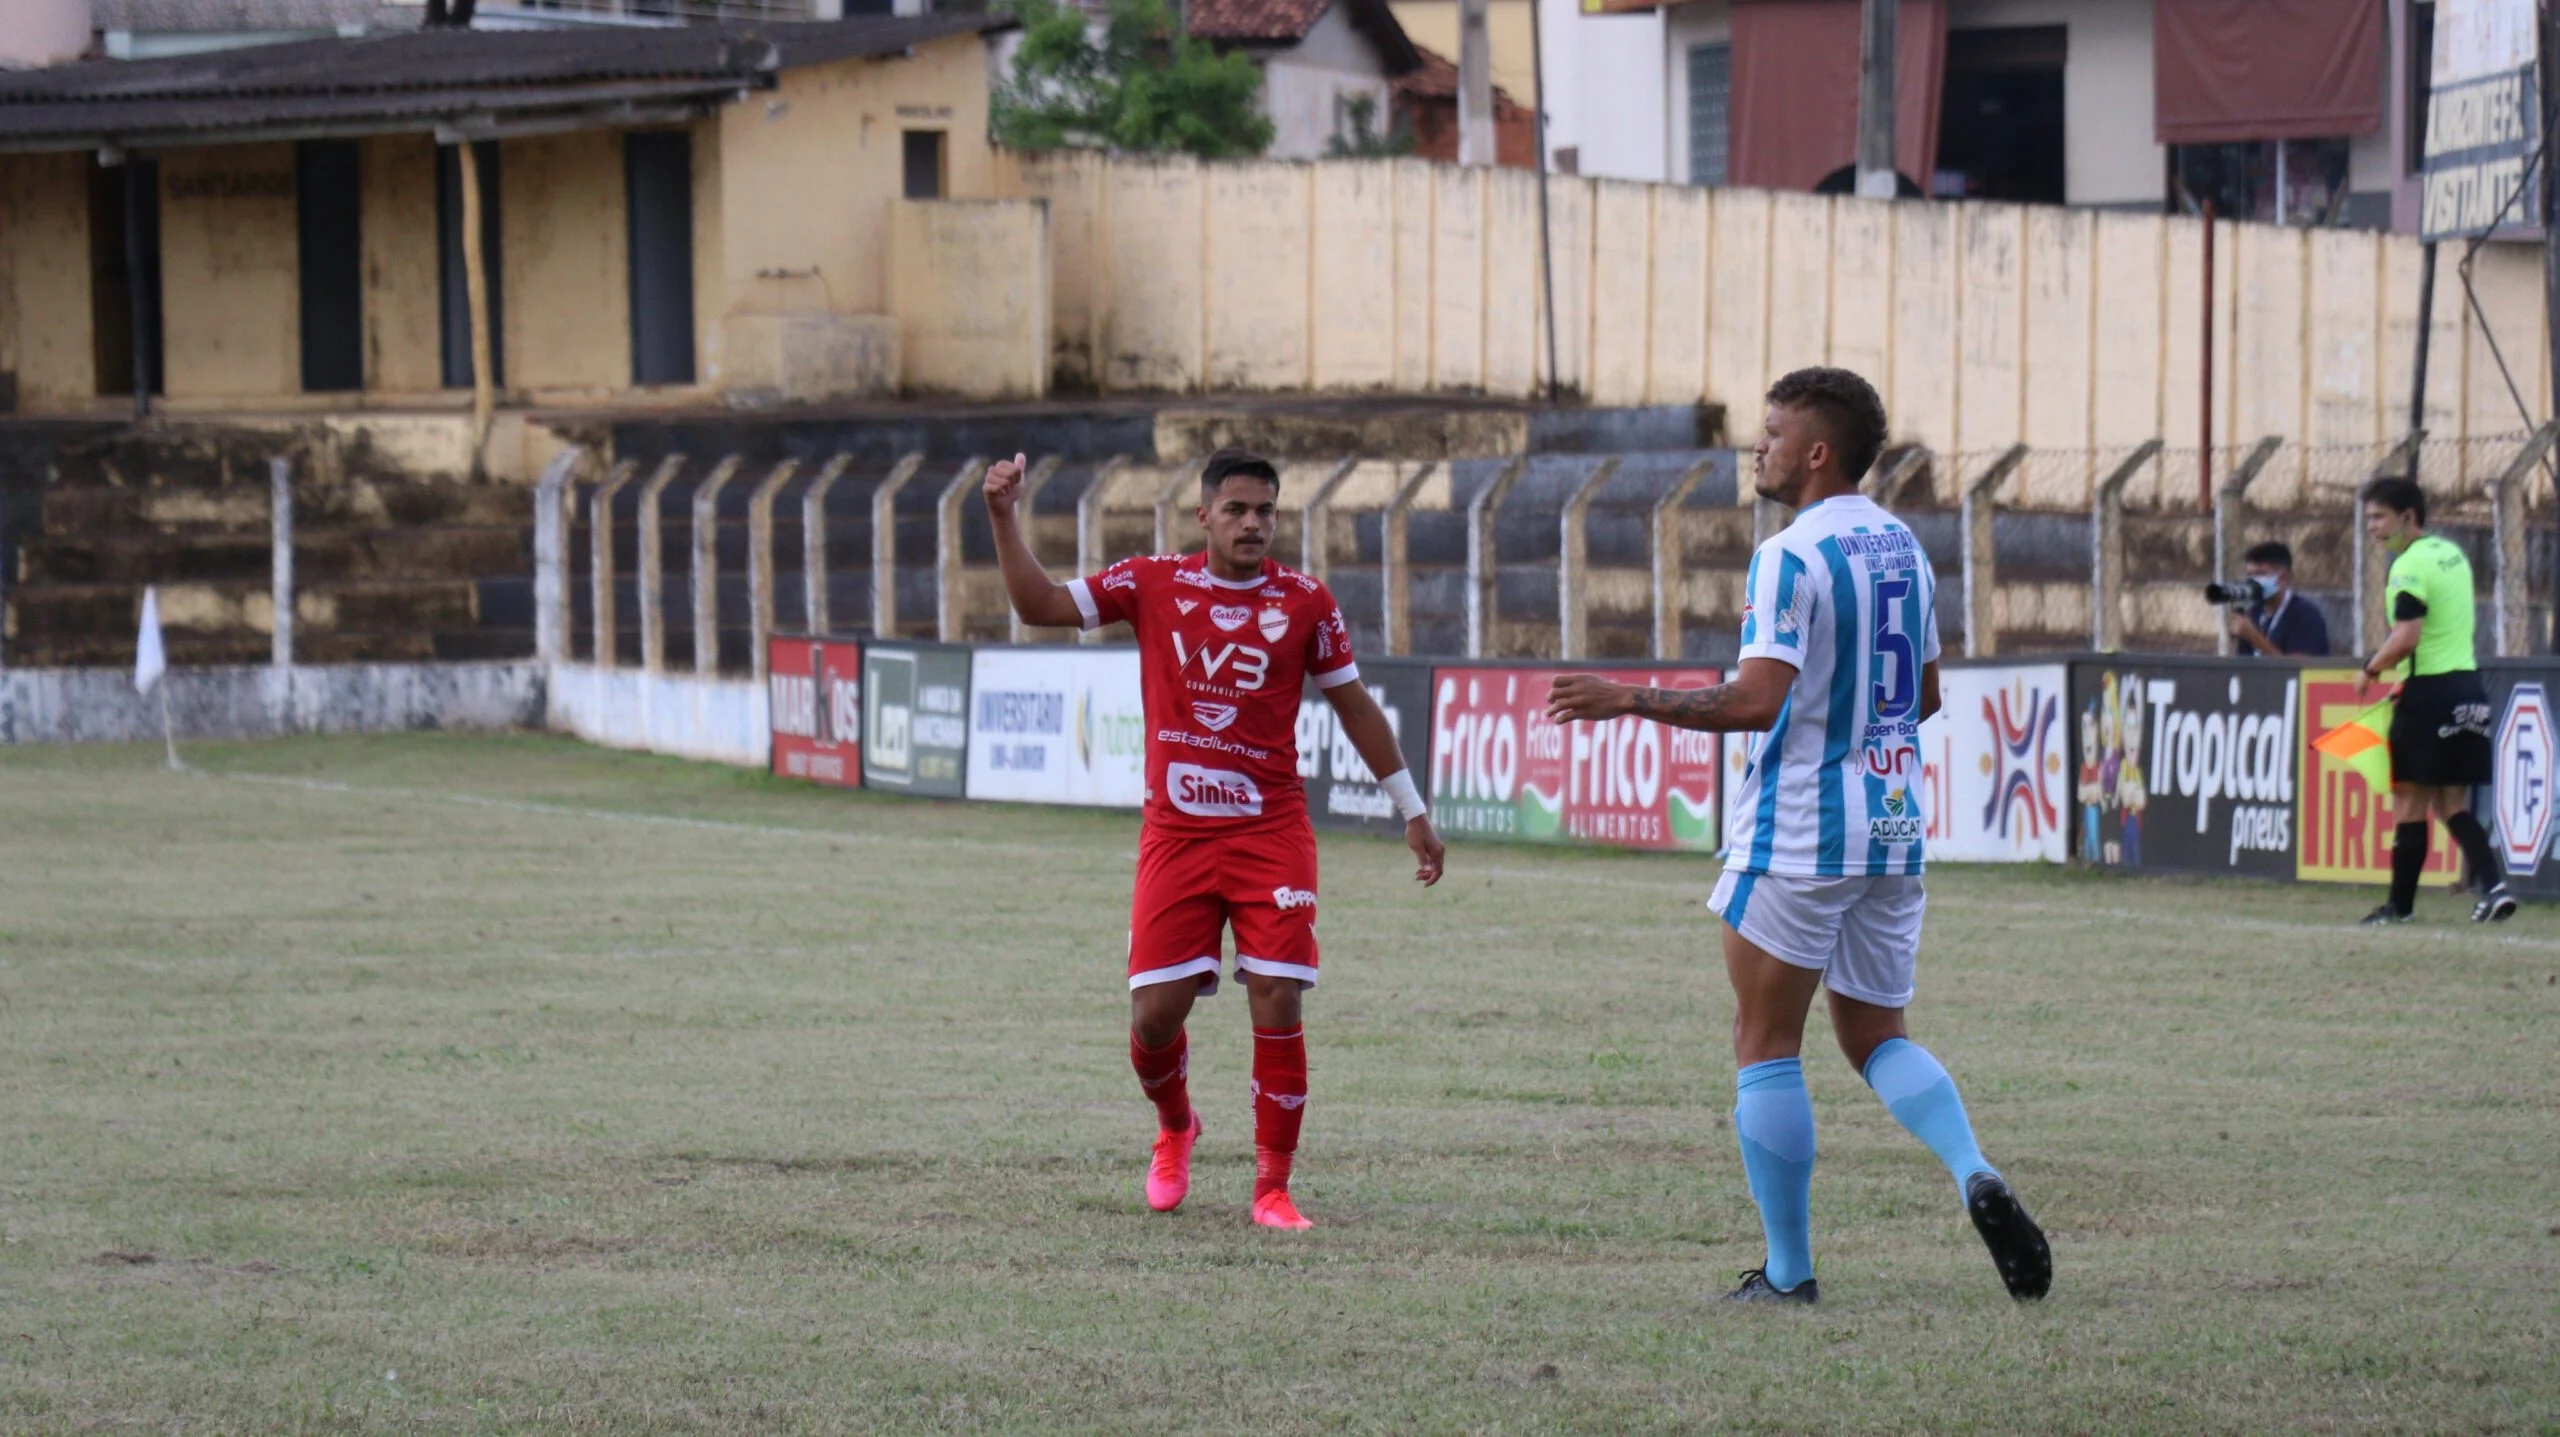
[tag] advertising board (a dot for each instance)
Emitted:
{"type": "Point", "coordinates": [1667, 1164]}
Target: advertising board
{"type": "Point", "coordinates": [2483, 119]}
{"type": "Point", "coordinates": [1058, 726]}
{"type": "Point", "coordinates": [1499, 769]}
{"type": "Point", "coordinates": [2186, 765]}
{"type": "Point", "coordinates": [1993, 765]}
{"type": "Point", "coordinates": [916, 716]}
{"type": "Point", "coordinates": [2519, 804]}
{"type": "Point", "coordinates": [814, 697]}
{"type": "Point", "coordinates": [1341, 792]}
{"type": "Point", "coordinates": [2346, 826]}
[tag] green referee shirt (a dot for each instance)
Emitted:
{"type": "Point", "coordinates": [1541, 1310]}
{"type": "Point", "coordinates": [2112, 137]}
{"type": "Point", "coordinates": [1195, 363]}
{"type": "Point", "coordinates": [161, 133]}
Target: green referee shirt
{"type": "Point", "coordinates": [2431, 582]}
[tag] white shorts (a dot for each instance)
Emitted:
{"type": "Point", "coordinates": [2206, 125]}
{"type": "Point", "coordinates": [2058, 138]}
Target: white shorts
{"type": "Point", "coordinates": [1861, 934]}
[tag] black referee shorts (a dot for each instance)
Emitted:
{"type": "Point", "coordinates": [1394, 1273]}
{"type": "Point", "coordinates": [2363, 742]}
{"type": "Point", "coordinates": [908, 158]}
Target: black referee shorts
{"type": "Point", "coordinates": [2440, 732]}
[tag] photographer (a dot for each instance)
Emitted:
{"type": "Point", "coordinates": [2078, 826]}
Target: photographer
{"type": "Point", "coordinates": [2277, 622]}
{"type": "Point", "coordinates": [2440, 748]}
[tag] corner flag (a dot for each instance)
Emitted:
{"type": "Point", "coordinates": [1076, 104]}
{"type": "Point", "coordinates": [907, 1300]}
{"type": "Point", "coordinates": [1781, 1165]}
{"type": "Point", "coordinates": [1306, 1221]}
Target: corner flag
{"type": "Point", "coordinates": [2363, 743]}
{"type": "Point", "coordinates": [150, 661]}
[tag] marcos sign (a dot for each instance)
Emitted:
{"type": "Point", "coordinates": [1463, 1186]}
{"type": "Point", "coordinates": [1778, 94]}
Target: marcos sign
{"type": "Point", "coordinates": [1499, 769]}
{"type": "Point", "coordinates": [814, 697]}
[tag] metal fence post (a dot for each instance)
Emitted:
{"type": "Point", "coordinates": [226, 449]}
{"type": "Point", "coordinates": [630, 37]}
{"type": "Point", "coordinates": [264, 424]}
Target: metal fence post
{"type": "Point", "coordinates": [813, 546]}
{"type": "Point", "coordinates": [760, 564]}
{"type": "Point", "coordinates": [703, 573]}
{"type": "Point", "coordinates": [884, 547]}
{"type": "Point", "coordinates": [951, 595]}
{"type": "Point", "coordinates": [2507, 530]}
{"type": "Point", "coordinates": [280, 487]}
{"type": "Point", "coordinates": [2231, 519]}
{"type": "Point", "coordinates": [1483, 563]}
{"type": "Point", "coordinates": [551, 556]}
{"type": "Point", "coordinates": [1043, 469]}
{"type": "Point", "coordinates": [2106, 549]}
{"type": "Point", "coordinates": [1573, 562]}
{"type": "Point", "coordinates": [600, 576]}
{"type": "Point", "coordinates": [1981, 562]}
{"type": "Point", "coordinates": [1394, 568]}
{"type": "Point", "coordinates": [1670, 597]}
{"type": "Point", "coordinates": [1169, 503]}
{"type": "Point", "coordinates": [1093, 510]}
{"type": "Point", "coordinates": [653, 565]}
{"type": "Point", "coordinates": [1315, 549]}
{"type": "Point", "coordinates": [1884, 484]}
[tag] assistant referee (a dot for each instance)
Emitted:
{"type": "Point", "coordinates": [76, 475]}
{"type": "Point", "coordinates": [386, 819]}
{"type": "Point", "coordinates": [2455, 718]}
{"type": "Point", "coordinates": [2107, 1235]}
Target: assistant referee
{"type": "Point", "coordinates": [2440, 749]}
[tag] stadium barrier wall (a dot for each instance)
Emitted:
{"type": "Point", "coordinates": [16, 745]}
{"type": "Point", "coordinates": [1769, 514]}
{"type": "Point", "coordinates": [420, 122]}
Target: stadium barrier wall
{"type": "Point", "coordinates": [687, 716]}
{"type": "Point", "coordinates": [264, 701]}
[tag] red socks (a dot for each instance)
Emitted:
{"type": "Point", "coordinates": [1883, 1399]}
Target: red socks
{"type": "Point", "coordinates": [1279, 1103]}
{"type": "Point", "coordinates": [1164, 1074]}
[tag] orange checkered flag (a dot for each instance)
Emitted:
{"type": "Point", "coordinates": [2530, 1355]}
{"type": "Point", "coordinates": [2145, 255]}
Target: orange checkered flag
{"type": "Point", "coordinates": [2363, 743]}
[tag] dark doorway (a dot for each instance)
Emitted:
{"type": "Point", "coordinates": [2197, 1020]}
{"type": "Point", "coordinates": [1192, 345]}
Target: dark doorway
{"type": "Point", "coordinates": [112, 291]}
{"type": "Point", "coordinates": [2000, 121]}
{"type": "Point", "coordinates": [327, 184]}
{"type": "Point", "coordinates": [453, 285]}
{"type": "Point", "coordinates": [924, 164]}
{"type": "Point", "coordinates": [657, 168]}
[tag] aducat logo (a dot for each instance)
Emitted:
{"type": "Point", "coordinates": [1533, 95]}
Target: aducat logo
{"type": "Point", "coordinates": [1212, 792]}
{"type": "Point", "coordinates": [1286, 898]}
{"type": "Point", "coordinates": [1899, 823]}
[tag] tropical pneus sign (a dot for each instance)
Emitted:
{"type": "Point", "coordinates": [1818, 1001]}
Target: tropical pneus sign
{"type": "Point", "coordinates": [1341, 791]}
{"type": "Point", "coordinates": [1993, 766]}
{"type": "Point", "coordinates": [1058, 726]}
{"type": "Point", "coordinates": [916, 703]}
{"type": "Point", "coordinates": [2483, 116]}
{"type": "Point", "coordinates": [814, 697]}
{"type": "Point", "coordinates": [2346, 825]}
{"type": "Point", "coordinates": [2185, 765]}
{"type": "Point", "coordinates": [2520, 803]}
{"type": "Point", "coordinates": [1499, 769]}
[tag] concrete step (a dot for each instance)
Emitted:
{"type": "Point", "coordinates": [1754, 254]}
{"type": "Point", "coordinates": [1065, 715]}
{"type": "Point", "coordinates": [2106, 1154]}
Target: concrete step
{"type": "Point", "coordinates": [161, 507]}
{"type": "Point", "coordinates": [439, 552]}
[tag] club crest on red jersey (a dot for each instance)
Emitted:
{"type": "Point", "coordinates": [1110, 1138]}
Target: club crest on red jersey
{"type": "Point", "coordinates": [1275, 622]}
{"type": "Point", "coordinates": [1229, 617]}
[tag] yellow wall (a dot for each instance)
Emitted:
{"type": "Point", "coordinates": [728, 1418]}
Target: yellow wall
{"type": "Point", "coordinates": [46, 358]}
{"type": "Point", "coordinates": [1621, 278]}
{"type": "Point", "coordinates": [2126, 323]}
{"type": "Point", "coordinates": [1416, 183]}
{"type": "Point", "coordinates": [1257, 246]}
{"type": "Point", "coordinates": [229, 273]}
{"type": "Point", "coordinates": [1354, 238]}
{"type": "Point", "coordinates": [1861, 301]}
{"type": "Point", "coordinates": [1152, 271]}
{"type": "Point", "coordinates": [564, 234]}
{"type": "Point", "coordinates": [971, 282]}
{"type": "Point", "coordinates": [403, 323]}
{"type": "Point", "coordinates": [1457, 279]}
{"type": "Point", "coordinates": [1925, 250]}
{"type": "Point", "coordinates": [1738, 306]}
{"type": "Point", "coordinates": [1676, 368]}
{"type": "Point", "coordinates": [1513, 340]}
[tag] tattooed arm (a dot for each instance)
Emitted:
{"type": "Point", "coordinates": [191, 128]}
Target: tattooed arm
{"type": "Point", "coordinates": [1749, 703]}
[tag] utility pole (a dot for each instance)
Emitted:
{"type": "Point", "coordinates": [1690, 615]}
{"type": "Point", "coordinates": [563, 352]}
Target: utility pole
{"type": "Point", "coordinates": [1475, 84]}
{"type": "Point", "coordinates": [1876, 47]}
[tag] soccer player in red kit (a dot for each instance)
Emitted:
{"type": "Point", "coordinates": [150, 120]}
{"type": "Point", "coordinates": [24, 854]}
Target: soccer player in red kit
{"type": "Point", "coordinates": [1226, 639]}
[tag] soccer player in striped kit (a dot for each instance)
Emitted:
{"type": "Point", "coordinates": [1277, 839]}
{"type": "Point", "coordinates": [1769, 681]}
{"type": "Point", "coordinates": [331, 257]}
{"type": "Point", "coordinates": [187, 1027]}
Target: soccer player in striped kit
{"type": "Point", "coordinates": [1822, 883]}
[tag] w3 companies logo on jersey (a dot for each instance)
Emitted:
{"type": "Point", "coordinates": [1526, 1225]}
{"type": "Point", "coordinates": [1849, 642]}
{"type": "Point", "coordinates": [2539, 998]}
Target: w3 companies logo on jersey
{"type": "Point", "coordinates": [1992, 765]}
{"type": "Point", "coordinates": [1500, 769]}
{"type": "Point", "coordinates": [2186, 764]}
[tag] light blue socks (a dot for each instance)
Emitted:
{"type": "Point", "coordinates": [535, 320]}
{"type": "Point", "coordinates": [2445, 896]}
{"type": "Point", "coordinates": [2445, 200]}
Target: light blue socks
{"type": "Point", "coordinates": [1921, 1097]}
{"type": "Point", "coordinates": [1773, 1117]}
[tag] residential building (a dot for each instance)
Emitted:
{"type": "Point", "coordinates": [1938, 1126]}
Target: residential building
{"type": "Point", "coordinates": [1325, 64]}
{"type": "Point", "coordinates": [1427, 110]}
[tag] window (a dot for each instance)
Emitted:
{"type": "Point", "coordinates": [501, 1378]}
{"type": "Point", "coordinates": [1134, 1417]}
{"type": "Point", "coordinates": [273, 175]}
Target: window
{"type": "Point", "coordinates": [2000, 115]}
{"type": "Point", "coordinates": [453, 290]}
{"type": "Point", "coordinates": [924, 164]}
{"type": "Point", "coordinates": [327, 178]}
{"type": "Point", "coordinates": [657, 169]}
{"type": "Point", "coordinates": [2422, 61]}
{"type": "Point", "coordinates": [1710, 112]}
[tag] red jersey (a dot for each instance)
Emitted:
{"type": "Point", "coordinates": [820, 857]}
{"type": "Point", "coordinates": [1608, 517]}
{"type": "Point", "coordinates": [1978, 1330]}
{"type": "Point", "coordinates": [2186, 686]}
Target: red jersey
{"type": "Point", "coordinates": [1221, 664]}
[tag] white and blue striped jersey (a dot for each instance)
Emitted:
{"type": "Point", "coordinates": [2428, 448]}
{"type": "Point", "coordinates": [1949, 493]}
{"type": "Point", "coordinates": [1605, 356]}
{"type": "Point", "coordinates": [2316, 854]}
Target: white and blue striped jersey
{"type": "Point", "coordinates": [1832, 790]}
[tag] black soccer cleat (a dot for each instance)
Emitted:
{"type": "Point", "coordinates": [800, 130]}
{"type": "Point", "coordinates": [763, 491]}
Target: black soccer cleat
{"type": "Point", "coordinates": [2017, 1244]}
{"type": "Point", "coordinates": [2385, 916]}
{"type": "Point", "coordinates": [2495, 906]}
{"type": "Point", "coordinates": [1755, 1288]}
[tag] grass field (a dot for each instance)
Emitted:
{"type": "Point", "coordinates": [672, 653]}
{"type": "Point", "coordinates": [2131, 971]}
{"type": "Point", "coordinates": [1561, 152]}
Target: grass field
{"type": "Point", "coordinates": [492, 1085]}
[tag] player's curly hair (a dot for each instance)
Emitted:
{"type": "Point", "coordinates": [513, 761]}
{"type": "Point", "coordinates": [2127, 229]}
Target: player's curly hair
{"type": "Point", "coordinates": [1227, 463]}
{"type": "Point", "coordinates": [1847, 408]}
{"type": "Point", "coordinates": [2401, 496]}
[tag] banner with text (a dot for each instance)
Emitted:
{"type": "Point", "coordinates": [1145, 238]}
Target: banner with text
{"type": "Point", "coordinates": [916, 712]}
{"type": "Point", "coordinates": [1992, 765]}
{"type": "Point", "coordinates": [2186, 765]}
{"type": "Point", "coordinates": [2346, 825]}
{"type": "Point", "coordinates": [1058, 726]}
{"type": "Point", "coordinates": [1341, 792]}
{"type": "Point", "coordinates": [815, 701]}
{"type": "Point", "coordinates": [2518, 804]}
{"type": "Point", "coordinates": [1499, 769]}
{"type": "Point", "coordinates": [2484, 115]}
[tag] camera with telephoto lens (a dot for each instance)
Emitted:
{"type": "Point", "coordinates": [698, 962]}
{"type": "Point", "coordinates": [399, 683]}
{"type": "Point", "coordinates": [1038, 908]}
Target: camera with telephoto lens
{"type": "Point", "coordinates": [2247, 591]}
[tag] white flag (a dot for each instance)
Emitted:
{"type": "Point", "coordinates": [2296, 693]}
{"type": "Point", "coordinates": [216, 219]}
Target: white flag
{"type": "Point", "coordinates": [149, 661]}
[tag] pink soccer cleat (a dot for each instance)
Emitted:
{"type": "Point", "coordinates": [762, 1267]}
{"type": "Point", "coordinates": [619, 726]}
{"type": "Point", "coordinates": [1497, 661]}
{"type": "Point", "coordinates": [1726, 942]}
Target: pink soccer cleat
{"type": "Point", "coordinates": [1169, 1174]}
{"type": "Point", "coordinates": [1273, 1209]}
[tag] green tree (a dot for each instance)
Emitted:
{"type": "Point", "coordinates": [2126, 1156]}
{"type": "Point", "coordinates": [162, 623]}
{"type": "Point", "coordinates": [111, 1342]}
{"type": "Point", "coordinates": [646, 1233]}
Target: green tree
{"type": "Point", "coordinates": [1363, 142]}
{"type": "Point", "coordinates": [1138, 84]}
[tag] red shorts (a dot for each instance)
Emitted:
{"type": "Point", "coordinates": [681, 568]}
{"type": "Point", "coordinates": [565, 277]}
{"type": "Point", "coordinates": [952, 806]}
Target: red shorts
{"type": "Point", "coordinates": [1191, 889]}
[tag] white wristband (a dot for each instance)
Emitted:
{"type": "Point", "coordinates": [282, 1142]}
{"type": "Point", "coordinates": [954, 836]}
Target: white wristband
{"type": "Point", "coordinates": [1408, 799]}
